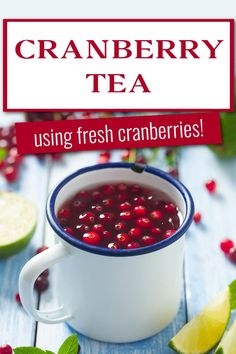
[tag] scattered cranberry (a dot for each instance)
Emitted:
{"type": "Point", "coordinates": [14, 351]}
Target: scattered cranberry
{"type": "Point", "coordinates": [91, 238]}
{"type": "Point", "coordinates": [41, 284]}
{"type": "Point", "coordinates": [226, 245]}
{"type": "Point", "coordinates": [104, 157]}
{"type": "Point", "coordinates": [147, 240]}
{"type": "Point", "coordinates": [125, 156]}
{"type": "Point", "coordinates": [6, 349]}
{"type": "Point", "coordinates": [10, 173]}
{"type": "Point", "coordinates": [173, 172]}
{"type": "Point", "coordinates": [232, 255]}
{"type": "Point", "coordinates": [18, 299]}
{"type": "Point", "coordinates": [132, 245]}
{"type": "Point", "coordinates": [211, 186]}
{"type": "Point", "coordinates": [41, 249]}
{"type": "Point", "coordinates": [197, 217]}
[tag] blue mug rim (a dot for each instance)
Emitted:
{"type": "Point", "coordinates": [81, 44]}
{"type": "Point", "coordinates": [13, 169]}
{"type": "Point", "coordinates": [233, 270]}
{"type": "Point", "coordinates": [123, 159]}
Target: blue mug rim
{"type": "Point", "coordinates": [53, 221]}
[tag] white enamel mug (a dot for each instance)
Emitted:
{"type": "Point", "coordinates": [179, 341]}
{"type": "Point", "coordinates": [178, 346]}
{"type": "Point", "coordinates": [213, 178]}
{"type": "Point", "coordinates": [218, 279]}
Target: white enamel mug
{"type": "Point", "coordinates": [107, 294]}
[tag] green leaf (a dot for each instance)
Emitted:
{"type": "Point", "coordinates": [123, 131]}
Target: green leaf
{"type": "Point", "coordinates": [49, 352]}
{"type": "Point", "coordinates": [3, 154]}
{"type": "Point", "coordinates": [232, 288]}
{"type": "Point", "coordinates": [28, 350]}
{"type": "Point", "coordinates": [70, 346]}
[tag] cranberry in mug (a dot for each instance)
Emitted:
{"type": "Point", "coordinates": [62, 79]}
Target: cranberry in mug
{"type": "Point", "coordinates": [119, 216]}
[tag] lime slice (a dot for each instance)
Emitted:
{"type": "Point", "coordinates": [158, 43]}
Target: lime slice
{"type": "Point", "coordinates": [17, 223]}
{"type": "Point", "coordinates": [204, 331]}
{"type": "Point", "coordinates": [228, 343]}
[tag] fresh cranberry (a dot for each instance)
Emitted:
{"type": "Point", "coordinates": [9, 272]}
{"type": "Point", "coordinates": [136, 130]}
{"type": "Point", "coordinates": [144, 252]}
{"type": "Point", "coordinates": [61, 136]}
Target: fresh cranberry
{"type": "Point", "coordinates": [122, 239]}
{"type": "Point", "coordinates": [197, 217]}
{"type": "Point", "coordinates": [125, 156]}
{"type": "Point", "coordinates": [83, 194]}
{"type": "Point", "coordinates": [132, 245]}
{"type": "Point", "coordinates": [106, 234]}
{"type": "Point", "coordinates": [173, 172]}
{"type": "Point", "coordinates": [96, 195]}
{"type": "Point", "coordinates": [156, 214]}
{"type": "Point", "coordinates": [226, 245]}
{"type": "Point", "coordinates": [126, 215]}
{"type": "Point", "coordinates": [17, 298]}
{"type": "Point", "coordinates": [169, 233]}
{"type": "Point", "coordinates": [104, 157]}
{"type": "Point", "coordinates": [122, 187]}
{"type": "Point", "coordinates": [122, 196]}
{"type": "Point", "coordinates": [211, 186]}
{"type": "Point", "coordinates": [106, 217]}
{"type": "Point", "coordinates": [232, 255]}
{"type": "Point", "coordinates": [147, 240]}
{"type": "Point", "coordinates": [41, 284]}
{"type": "Point", "coordinates": [98, 228]}
{"type": "Point", "coordinates": [113, 245]}
{"type": "Point", "coordinates": [170, 208]}
{"type": "Point", "coordinates": [135, 189]}
{"type": "Point", "coordinates": [87, 217]}
{"type": "Point", "coordinates": [108, 189]}
{"type": "Point", "coordinates": [135, 233]}
{"type": "Point", "coordinates": [10, 173]}
{"type": "Point", "coordinates": [64, 213]}
{"type": "Point", "coordinates": [97, 208]}
{"type": "Point", "coordinates": [91, 238]}
{"type": "Point", "coordinates": [108, 202]}
{"type": "Point", "coordinates": [125, 206]}
{"type": "Point", "coordinates": [41, 249]}
{"type": "Point", "coordinates": [69, 231]}
{"type": "Point", "coordinates": [120, 226]}
{"type": "Point", "coordinates": [156, 231]}
{"type": "Point", "coordinates": [144, 223]}
{"type": "Point", "coordinates": [140, 210]}
{"type": "Point", "coordinates": [6, 349]}
{"type": "Point", "coordinates": [81, 228]}
{"type": "Point", "coordinates": [79, 205]}
{"type": "Point", "coordinates": [139, 200]}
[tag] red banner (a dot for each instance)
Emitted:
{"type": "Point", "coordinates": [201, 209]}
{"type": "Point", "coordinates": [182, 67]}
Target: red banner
{"type": "Point", "coordinates": [118, 133]}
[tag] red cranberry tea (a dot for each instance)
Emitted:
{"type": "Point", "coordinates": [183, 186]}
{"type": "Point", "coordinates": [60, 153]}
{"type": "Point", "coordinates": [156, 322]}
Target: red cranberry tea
{"type": "Point", "coordinates": [119, 216]}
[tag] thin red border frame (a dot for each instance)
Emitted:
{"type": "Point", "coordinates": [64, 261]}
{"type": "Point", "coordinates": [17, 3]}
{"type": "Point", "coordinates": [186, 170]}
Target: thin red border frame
{"type": "Point", "coordinates": [5, 106]}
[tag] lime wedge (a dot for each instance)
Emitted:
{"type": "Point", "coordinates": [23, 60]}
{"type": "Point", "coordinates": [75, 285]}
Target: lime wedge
{"type": "Point", "coordinates": [228, 343]}
{"type": "Point", "coordinates": [17, 223]}
{"type": "Point", "coordinates": [204, 331]}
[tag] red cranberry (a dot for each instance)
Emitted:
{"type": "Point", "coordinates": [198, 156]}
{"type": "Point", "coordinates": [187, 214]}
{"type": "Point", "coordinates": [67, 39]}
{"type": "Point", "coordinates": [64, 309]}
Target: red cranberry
{"type": "Point", "coordinates": [169, 233]}
{"type": "Point", "coordinates": [122, 187]}
{"type": "Point", "coordinates": [41, 249]}
{"type": "Point", "coordinates": [144, 223]}
{"type": "Point", "coordinates": [18, 299]}
{"type": "Point", "coordinates": [106, 217]}
{"type": "Point", "coordinates": [91, 238]}
{"type": "Point", "coordinates": [126, 215]}
{"type": "Point", "coordinates": [156, 231]}
{"type": "Point", "coordinates": [226, 245]}
{"type": "Point", "coordinates": [211, 186]}
{"type": "Point", "coordinates": [232, 255]}
{"type": "Point", "coordinates": [141, 159]}
{"type": "Point", "coordinates": [108, 189]}
{"type": "Point", "coordinates": [125, 206]}
{"type": "Point", "coordinates": [173, 172]}
{"type": "Point", "coordinates": [97, 208]}
{"type": "Point", "coordinates": [64, 213]}
{"type": "Point", "coordinates": [120, 226]}
{"type": "Point", "coordinates": [132, 245]}
{"type": "Point", "coordinates": [104, 157]}
{"type": "Point", "coordinates": [156, 215]}
{"type": "Point", "coordinates": [98, 228]}
{"type": "Point", "coordinates": [87, 217]}
{"type": "Point", "coordinates": [139, 200]}
{"type": "Point", "coordinates": [135, 233]}
{"type": "Point", "coordinates": [108, 203]}
{"type": "Point", "coordinates": [140, 210]}
{"type": "Point", "coordinates": [82, 195]}
{"type": "Point", "coordinates": [96, 195]}
{"type": "Point", "coordinates": [125, 156]}
{"type": "Point", "coordinates": [122, 239]}
{"type": "Point", "coordinates": [135, 189]}
{"type": "Point", "coordinates": [170, 208]}
{"type": "Point", "coordinates": [81, 228]}
{"type": "Point", "coordinates": [69, 231]}
{"type": "Point", "coordinates": [147, 240]}
{"type": "Point", "coordinates": [56, 156]}
{"type": "Point", "coordinates": [122, 196]}
{"type": "Point", "coordinates": [63, 222]}
{"type": "Point", "coordinates": [113, 245]}
{"type": "Point", "coordinates": [106, 234]}
{"type": "Point", "coordinates": [79, 205]}
{"type": "Point", "coordinates": [10, 173]}
{"type": "Point", "coordinates": [197, 217]}
{"type": "Point", "coordinates": [41, 284]}
{"type": "Point", "coordinates": [6, 349]}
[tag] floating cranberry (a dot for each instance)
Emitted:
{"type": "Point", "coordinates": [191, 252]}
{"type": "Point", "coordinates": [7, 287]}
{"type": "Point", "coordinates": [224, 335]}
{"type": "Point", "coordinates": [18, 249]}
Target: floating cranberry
{"type": "Point", "coordinates": [122, 239]}
{"type": "Point", "coordinates": [140, 200]}
{"type": "Point", "coordinates": [211, 186]}
{"type": "Point", "coordinates": [136, 189]}
{"type": "Point", "coordinates": [104, 157]}
{"type": "Point", "coordinates": [120, 226]}
{"type": "Point", "coordinates": [170, 208]}
{"type": "Point", "coordinates": [96, 195]}
{"type": "Point", "coordinates": [64, 213]}
{"type": "Point", "coordinates": [79, 205]}
{"type": "Point", "coordinates": [106, 234]}
{"type": "Point", "coordinates": [126, 215]}
{"type": "Point", "coordinates": [91, 237]}
{"type": "Point", "coordinates": [122, 187]}
{"type": "Point", "coordinates": [113, 245]}
{"type": "Point", "coordinates": [41, 249]}
{"type": "Point", "coordinates": [41, 284]}
{"type": "Point", "coordinates": [108, 189]}
{"type": "Point", "coordinates": [122, 196]}
{"type": "Point", "coordinates": [232, 255]}
{"type": "Point", "coordinates": [135, 233]}
{"type": "Point", "coordinates": [147, 240]}
{"type": "Point", "coordinates": [87, 217]}
{"type": "Point", "coordinates": [226, 245]}
{"type": "Point", "coordinates": [197, 217]}
{"type": "Point", "coordinates": [17, 298]}
{"type": "Point", "coordinates": [106, 217]}
{"type": "Point", "coordinates": [81, 228]}
{"type": "Point", "coordinates": [98, 228]}
{"type": "Point", "coordinates": [82, 195]}
{"type": "Point", "coordinates": [6, 349]}
{"type": "Point", "coordinates": [125, 206]}
{"type": "Point", "coordinates": [169, 233]}
{"type": "Point", "coordinates": [144, 223]}
{"type": "Point", "coordinates": [132, 245]}
{"type": "Point", "coordinates": [97, 208]}
{"type": "Point", "coordinates": [108, 202]}
{"type": "Point", "coordinates": [156, 215]}
{"type": "Point", "coordinates": [156, 231]}
{"type": "Point", "coordinates": [140, 210]}
{"type": "Point", "coordinates": [10, 173]}
{"type": "Point", "coordinates": [69, 231]}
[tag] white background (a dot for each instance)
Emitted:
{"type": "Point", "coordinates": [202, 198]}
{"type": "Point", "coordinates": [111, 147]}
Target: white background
{"type": "Point", "coordinates": [116, 9]}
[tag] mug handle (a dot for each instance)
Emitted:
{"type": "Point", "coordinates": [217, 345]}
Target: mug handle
{"type": "Point", "coordinates": [30, 272]}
